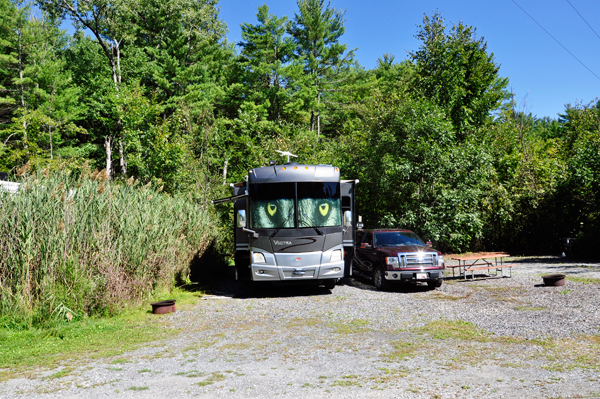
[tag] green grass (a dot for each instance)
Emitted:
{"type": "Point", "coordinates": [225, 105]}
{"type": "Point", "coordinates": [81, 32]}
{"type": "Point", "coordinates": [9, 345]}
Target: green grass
{"type": "Point", "coordinates": [454, 329]}
{"type": "Point", "coordinates": [355, 326]}
{"type": "Point", "coordinates": [584, 280]}
{"type": "Point", "coordinates": [138, 388]}
{"type": "Point", "coordinates": [22, 350]}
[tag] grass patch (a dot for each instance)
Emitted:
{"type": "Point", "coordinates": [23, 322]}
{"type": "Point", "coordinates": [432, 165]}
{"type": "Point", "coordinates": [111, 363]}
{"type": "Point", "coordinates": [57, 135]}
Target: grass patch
{"type": "Point", "coordinates": [447, 297]}
{"type": "Point", "coordinates": [583, 280]}
{"type": "Point", "coordinates": [529, 308]}
{"type": "Point", "coordinates": [21, 350]}
{"type": "Point", "coordinates": [138, 388]}
{"type": "Point", "coordinates": [454, 329]}
{"type": "Point", "coordinates": [211, 379]}
{"type": "Point", "coordinates": [347, 381]}
{"type": "Point", "coordinates": [403, 350]}
{"type": "Point", "coordinates": [62, 373]}
{"type": "Point", "coordinates": [305, 322]}
{"type": "Point", "coordinates": [355, 326]}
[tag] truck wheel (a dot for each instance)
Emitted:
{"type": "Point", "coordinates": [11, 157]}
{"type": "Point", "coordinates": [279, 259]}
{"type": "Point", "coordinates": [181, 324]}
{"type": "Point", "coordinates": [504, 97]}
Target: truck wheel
{"type": "Point", "coordinates": [330, 283]}
{"type": "Point", "coordinates": [379, 279]}
{"type": "Point", "coordinates": [435, 283]}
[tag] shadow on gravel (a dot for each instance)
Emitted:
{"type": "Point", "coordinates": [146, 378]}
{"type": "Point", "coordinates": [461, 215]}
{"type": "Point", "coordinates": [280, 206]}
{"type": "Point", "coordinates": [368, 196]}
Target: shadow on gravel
{"type": "Point", "coordinates": [366, 284]}
{"type": "Point", "coordinates": [569, 260]}
{"type": "Point", "coordinates": [225, 285]}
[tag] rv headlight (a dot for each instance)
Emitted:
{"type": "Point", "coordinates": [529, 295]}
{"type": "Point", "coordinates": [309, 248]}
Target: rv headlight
{"type": "Point", "coordinates": [258, 257]}
{"type": "Point", "coordinates": [336, 255]}
{"type": "Point", "coordinates": [392, 261]}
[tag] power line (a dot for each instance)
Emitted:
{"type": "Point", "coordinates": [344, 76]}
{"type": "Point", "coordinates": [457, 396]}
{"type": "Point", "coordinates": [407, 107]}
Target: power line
{"type": "Point", "coordinates": [583, 18]}
{"type": "Point", "coordinates": [556, 40]}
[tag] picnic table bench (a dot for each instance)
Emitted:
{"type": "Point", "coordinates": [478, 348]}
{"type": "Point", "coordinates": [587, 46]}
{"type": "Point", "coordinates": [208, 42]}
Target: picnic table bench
{"type": "Point", "coordinates": [476, 262]}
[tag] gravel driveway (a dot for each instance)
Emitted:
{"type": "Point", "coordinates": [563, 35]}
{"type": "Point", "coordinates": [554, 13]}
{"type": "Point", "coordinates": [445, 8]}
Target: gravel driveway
{"type": "Point", "coordinates": [490, 338]}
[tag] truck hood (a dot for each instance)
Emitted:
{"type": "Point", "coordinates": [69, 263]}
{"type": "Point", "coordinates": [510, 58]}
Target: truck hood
{"type": "Point", "coordinates": [392, 251]}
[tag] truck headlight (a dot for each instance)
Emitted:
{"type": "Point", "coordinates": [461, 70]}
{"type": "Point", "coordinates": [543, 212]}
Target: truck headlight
{"type": "Point", "coordinates": [440, 261]}
{"type": "Point", "coordinates": [392, 261]}
{"type": "Point", "coordinates": [258, 257]}
{"type": "Point", "coordinates": [336, 255]}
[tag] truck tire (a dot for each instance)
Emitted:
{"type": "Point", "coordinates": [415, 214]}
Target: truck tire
{"type": "Point", "coordinates": [330, 283]}
{"type": "Point", "coordinates": [379, 280]}
{"type": "Point", "coordinates": [435, 283]}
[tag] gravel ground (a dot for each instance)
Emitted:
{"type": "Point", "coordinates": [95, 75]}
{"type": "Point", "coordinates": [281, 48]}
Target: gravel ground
{"type": "Point", "coordinates": [353, 341]}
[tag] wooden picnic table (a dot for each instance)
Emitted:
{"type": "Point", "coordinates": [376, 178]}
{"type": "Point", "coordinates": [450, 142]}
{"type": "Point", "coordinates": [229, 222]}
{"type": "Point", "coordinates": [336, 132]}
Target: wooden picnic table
{"type": "Point", "coordinates": [476, 262]}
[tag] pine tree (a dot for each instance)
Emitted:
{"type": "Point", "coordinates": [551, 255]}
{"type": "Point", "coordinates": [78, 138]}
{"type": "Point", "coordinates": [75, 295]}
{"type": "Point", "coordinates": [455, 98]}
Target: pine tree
{"type": "Point", "coordinates": [317, 29]}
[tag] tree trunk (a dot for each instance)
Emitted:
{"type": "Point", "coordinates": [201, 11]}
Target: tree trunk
{"type": "Point", "coordinates": [108, 147]}
{"type": "Point", "coordinates": [225, 173]}
{"type": "Point", "coordinates": [22, 88]}
{"type": "Point", "coordinates": [50, 134]}
{"type": "Point", "coordinates": [122, 161]}
{"type": "Point", "coordinates": [318, 117]}
{"type": "Point", "coordinates": [118, 71]}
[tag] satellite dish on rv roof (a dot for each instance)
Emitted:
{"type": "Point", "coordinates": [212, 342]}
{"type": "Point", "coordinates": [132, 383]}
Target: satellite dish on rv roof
{"type": "Point", "coordinates": [286, 153]}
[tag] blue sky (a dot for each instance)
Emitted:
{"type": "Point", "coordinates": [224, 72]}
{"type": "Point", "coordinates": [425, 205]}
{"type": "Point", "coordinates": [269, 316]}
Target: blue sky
{"type": "Point", "coordinates": [543, 75]}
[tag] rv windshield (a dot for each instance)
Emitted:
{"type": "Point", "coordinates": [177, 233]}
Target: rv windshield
{"type": "Point", "coordinates": [272, 205]}
{"type": "Point", "coordinates": [319, 204]}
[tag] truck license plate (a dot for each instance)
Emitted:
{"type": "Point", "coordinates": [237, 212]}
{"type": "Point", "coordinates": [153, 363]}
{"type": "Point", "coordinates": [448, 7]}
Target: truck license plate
{"type": "Point", "coordinates": [421, 276]}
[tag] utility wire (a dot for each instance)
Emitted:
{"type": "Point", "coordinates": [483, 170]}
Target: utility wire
{"type": "Point", "coordinates": [556, 40]}
{"type": "Point", "coordinates": [583, 18]}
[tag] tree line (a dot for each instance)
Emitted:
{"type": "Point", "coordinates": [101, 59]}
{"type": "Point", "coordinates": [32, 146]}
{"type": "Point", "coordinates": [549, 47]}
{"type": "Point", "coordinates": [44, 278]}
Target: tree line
{"type": "Point", "coordinates": [153, 90]}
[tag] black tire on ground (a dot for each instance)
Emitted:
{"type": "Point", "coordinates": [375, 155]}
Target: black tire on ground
{"type": "Point", "coordinates": [379, 279]}
{"type": "Point", "coordinates": [330, 283]}
{"type": "Point", "coordinates": [435, 283]}
{"type": "Point", "coordinates": [242, 270]}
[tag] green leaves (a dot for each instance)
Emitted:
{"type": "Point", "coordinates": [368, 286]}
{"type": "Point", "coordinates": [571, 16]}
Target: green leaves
{"type": "Point", "coordinates": [455, 71]}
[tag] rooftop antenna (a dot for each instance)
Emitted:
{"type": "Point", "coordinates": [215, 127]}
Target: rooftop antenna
{"type": "Point", "coordinates": [289, 154]}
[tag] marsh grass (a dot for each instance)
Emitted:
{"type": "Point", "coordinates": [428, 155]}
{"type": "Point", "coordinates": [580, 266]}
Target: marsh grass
{"type": "Point", "coordinates": [80, 245]}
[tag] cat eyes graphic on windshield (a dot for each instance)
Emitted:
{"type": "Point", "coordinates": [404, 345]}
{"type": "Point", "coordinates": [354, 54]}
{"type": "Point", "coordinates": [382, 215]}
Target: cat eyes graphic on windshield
{"type": "Point", "coordinates": [273, 214]}
{"type": "Point", "coordinates": [279, 213]}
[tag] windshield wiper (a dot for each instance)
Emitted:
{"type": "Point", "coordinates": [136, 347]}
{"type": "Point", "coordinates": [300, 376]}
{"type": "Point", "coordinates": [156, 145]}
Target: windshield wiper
{"type": "Point", "coordinates": [284, 222]}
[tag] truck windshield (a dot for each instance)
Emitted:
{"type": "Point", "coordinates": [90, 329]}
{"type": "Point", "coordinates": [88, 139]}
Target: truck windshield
{"type": "Point", "coordinates": [319, 204]}
{"type": "Point", "coordinates": [272, 205]}
{"type": "Point", "coordinates": [396, 239]}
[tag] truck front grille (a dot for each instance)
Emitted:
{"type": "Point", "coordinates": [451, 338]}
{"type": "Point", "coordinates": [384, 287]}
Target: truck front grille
{"type": "Point", "coordinates": [418, 259]}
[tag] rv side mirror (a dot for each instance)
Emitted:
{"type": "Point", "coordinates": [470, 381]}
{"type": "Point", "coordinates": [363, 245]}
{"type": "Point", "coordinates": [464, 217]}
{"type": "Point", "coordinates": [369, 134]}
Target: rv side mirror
{"type": "Point", "coordinates": [348, 219]}
{"type": "Point", "coordinates": [241, 218]}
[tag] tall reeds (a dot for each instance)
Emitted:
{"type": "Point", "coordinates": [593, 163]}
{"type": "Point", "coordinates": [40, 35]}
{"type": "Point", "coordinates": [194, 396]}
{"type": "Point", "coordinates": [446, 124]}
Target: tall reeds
{"type": "Point", "coordinates": [72, 246]}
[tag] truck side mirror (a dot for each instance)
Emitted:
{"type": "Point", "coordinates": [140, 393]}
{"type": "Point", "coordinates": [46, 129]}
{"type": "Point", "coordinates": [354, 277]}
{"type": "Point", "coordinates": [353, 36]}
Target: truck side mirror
{"type": "Point", "coordinates": [241, 218]}
{"type": "Point", "coordinates": [348, 219]}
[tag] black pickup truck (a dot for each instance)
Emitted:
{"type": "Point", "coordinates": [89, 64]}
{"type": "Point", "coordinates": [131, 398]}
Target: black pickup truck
{"type": "Point", "coordinates": [394, 255]}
